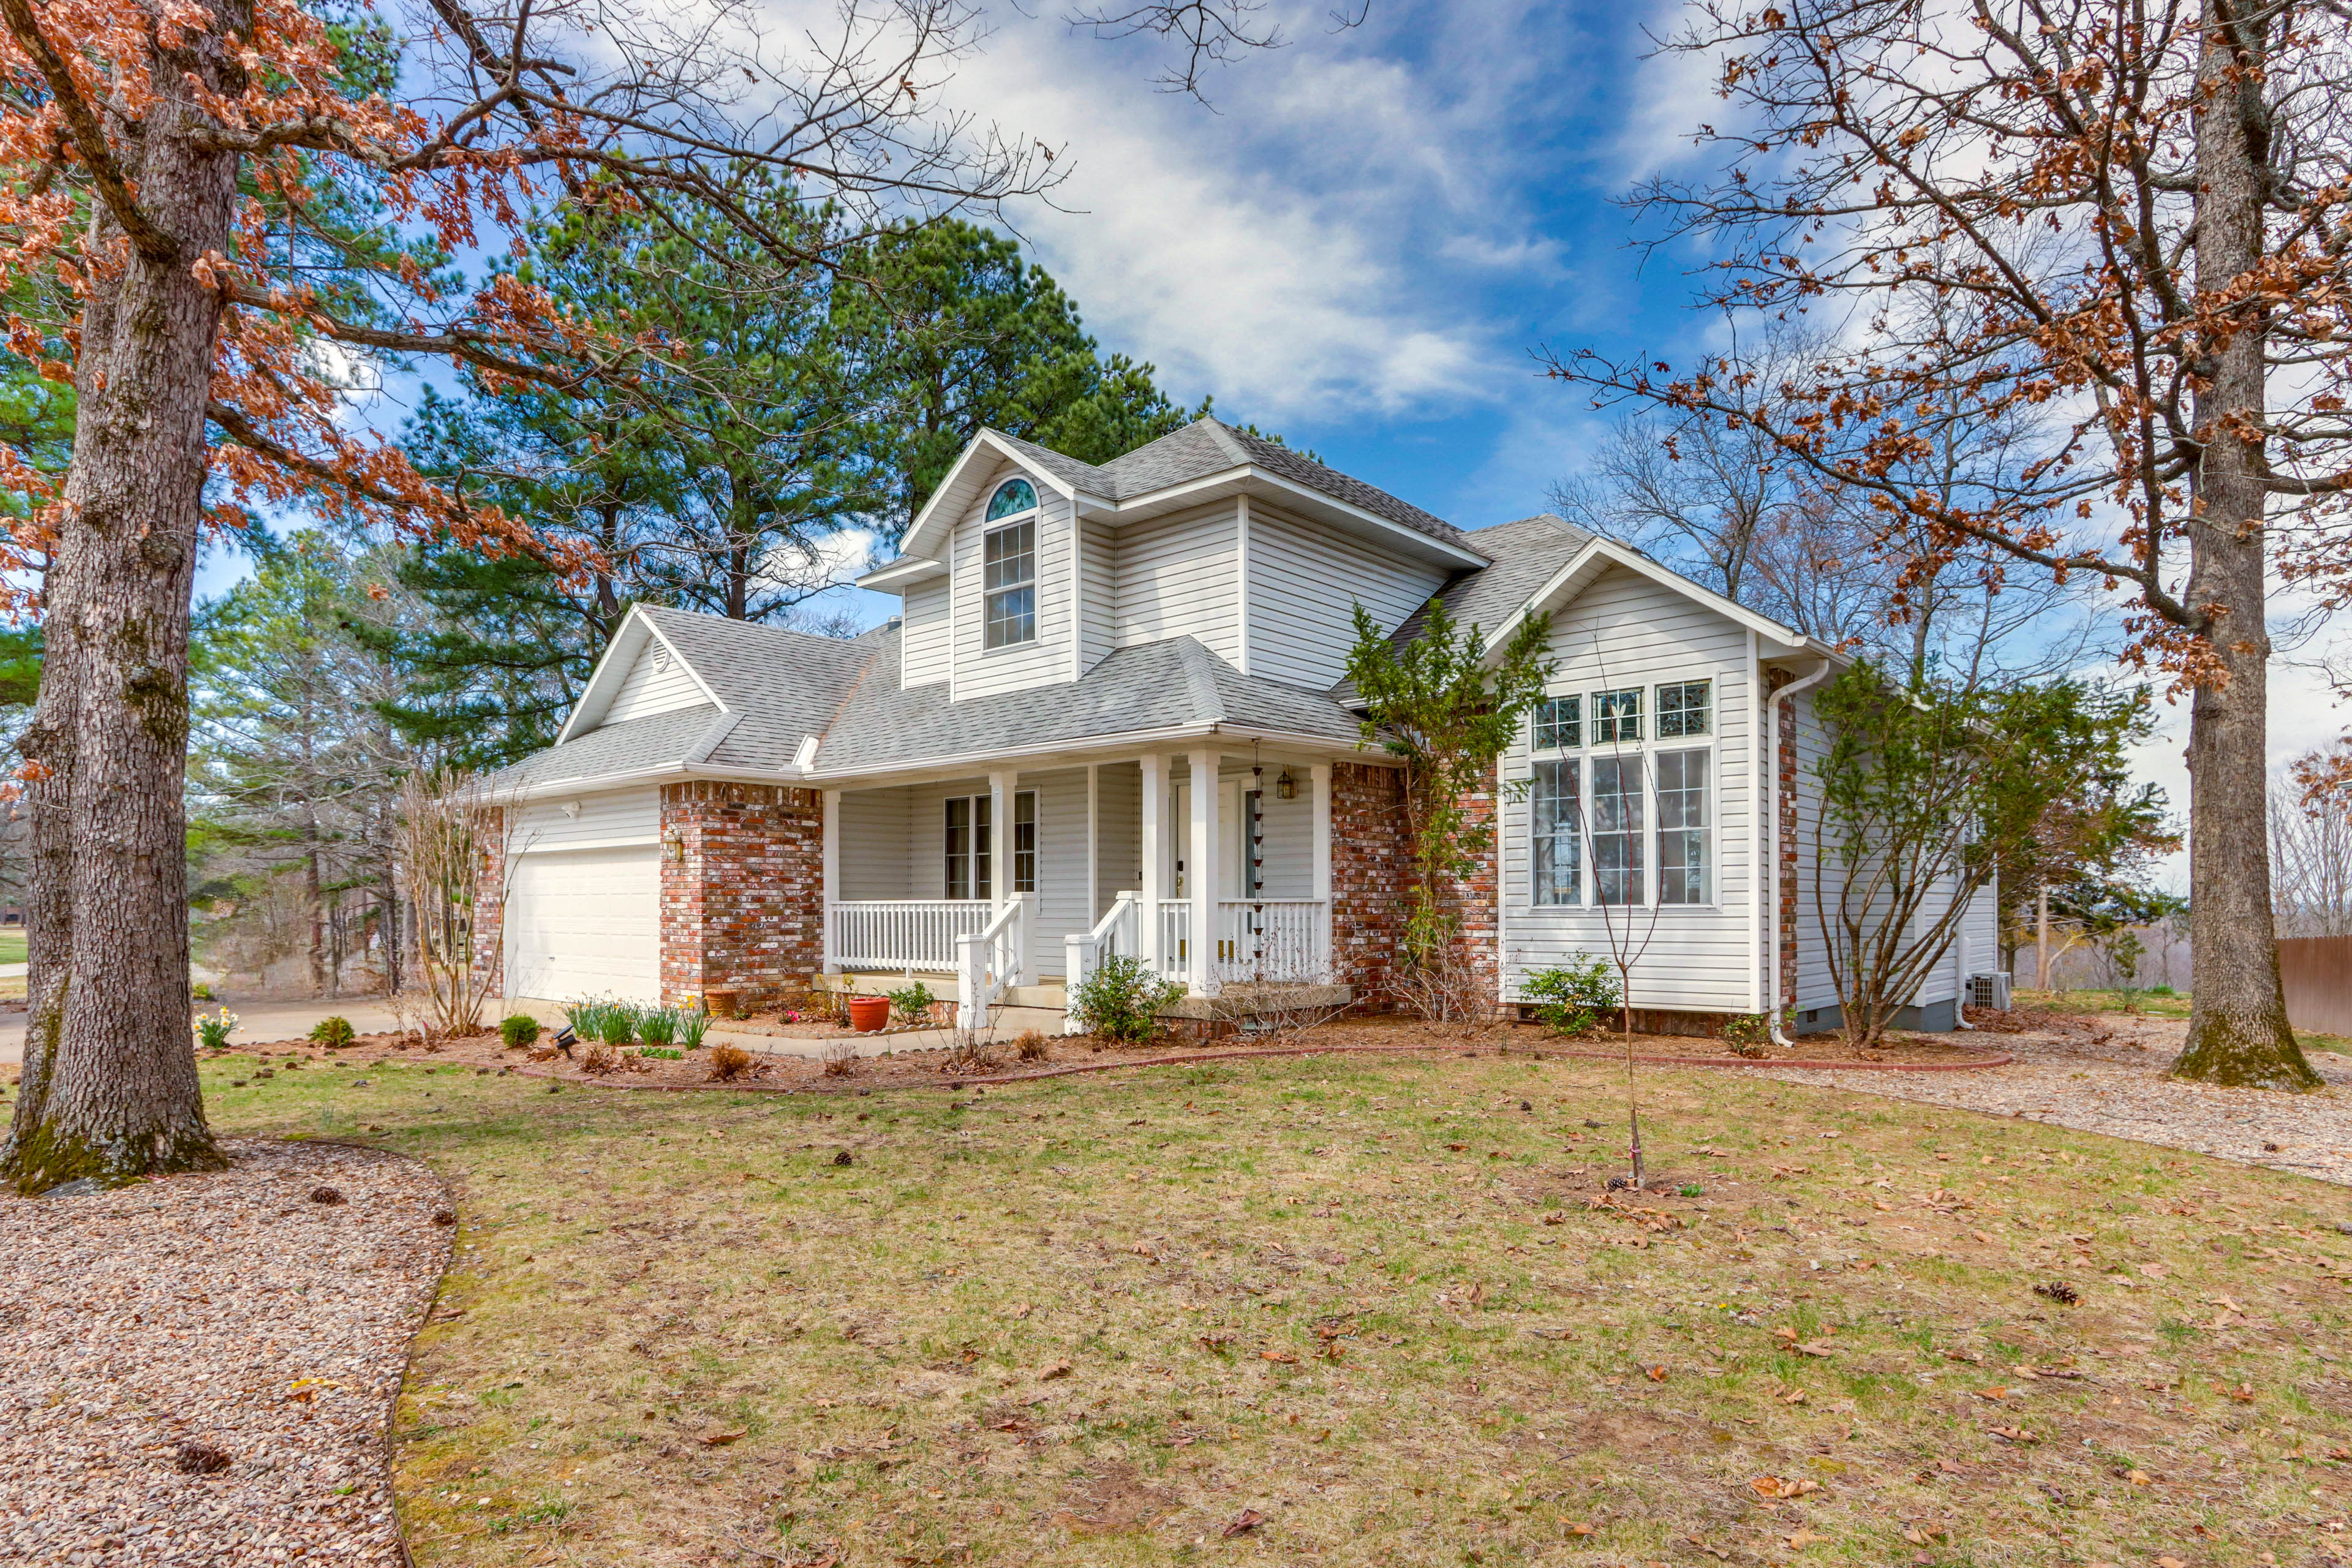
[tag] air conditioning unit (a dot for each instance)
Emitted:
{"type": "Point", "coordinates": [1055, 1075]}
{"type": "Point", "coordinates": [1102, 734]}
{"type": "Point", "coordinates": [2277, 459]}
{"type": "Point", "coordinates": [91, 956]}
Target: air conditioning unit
{"type": "Point", "coordinates": [1988, 991]}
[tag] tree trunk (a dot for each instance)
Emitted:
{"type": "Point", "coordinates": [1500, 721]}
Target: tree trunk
{"type": "Point", "coordinates": [111, 1074]}
{"type": "Point", "coordinates": [2238, 1031]}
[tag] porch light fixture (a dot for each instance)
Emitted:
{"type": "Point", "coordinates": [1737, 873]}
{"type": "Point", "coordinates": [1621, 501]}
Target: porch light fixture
{"type": "Point", "coordinates": [676, 847]}
{"type": "Point", "coordinates": [1285, 786]}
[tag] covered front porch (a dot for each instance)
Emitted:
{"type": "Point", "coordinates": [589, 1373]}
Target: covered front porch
{"type": "Point", "coordinates": [1211, 865]}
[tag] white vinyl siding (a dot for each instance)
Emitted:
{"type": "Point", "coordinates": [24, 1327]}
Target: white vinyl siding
{"type": "Point", "coordinates": [599, 821]}
{"type": "Point", "coordinates": [649, 688]}
{"type": "Point", "coordinates": [1097, 591]}
{"type": "Point", "coordinates": [923, 634]}
{"type": "Point", "coordinates": [874, 830]}
{"type": "Point", "coordinates": [1305, 580]}
{"type": "Point", "coordinates": [981, 670]}
{"type": "Point", "coordinates": [1286, 831]}
{"type": "Point", "coordinates": [1815, 986]}
{"type": "Point", "coordinates": [1179, 577]}
{"type": "Point", "coordinates": [1119, 841]}
{"type": "Point", "coordinates": [1624, 632]}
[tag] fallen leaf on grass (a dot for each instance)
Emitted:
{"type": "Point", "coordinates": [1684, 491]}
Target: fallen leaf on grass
{"type": "Point", "coordinates": [1059, 1369]}
{"type": "Point", "coordinates": [2140, 1478]}
{"type": "Point", "coordinates": [1575, 1529]}
{"type": "Point", "coordinates": [1286, 1357]}
{"type": "Point", "coordinates": [721, 1439]}
{"type": "Point", "coordinates": [2013, 1435]}
{"type": "Point", "coordinates": [2170, 1563]}
{"type": "Point", "coordinates": [1794, 1396]}
{"type": "Point", "coordinates": [1216, 1344]}
{"type": "Point", "coordinates": [1774, 1486]}
{"type": "Point", "coordinates": [1995, 1394]}
{"type": "Point", "coordinates": [1802, 1539]}
{"type": "Point", "coordinates": [1249, 1518]}
{"type": "Point", "coordinates": [1556, 1216]}
{"type": "Point", "coordinates": [1920, 1535]}
{"type": "Point", "coordinates": [1655, 1373]}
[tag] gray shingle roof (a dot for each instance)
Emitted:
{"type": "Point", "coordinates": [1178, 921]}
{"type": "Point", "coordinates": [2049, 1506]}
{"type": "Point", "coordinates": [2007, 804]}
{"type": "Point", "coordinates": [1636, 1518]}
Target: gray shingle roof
{"type": "Point", "coordinates": [1526, 555]}
{"type": "Point", "coordinates": [1208, 447]}
{"type": "Point", "coordinates": [634, 745]}
{"type": "Point", "coordinates": [1157, 686]}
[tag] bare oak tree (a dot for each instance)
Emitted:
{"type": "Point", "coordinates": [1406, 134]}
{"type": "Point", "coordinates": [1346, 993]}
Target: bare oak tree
{"type": "Point", "coordinates": [2129, 218]}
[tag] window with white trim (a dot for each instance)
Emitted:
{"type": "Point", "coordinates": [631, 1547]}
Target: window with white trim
{"type": "Point", "coordinates": [1559, 725]}
{"type": "Point", "coordinates": [1683, 709]}
{"type": "Point", "coordinates": [969, 847]}
{"type": "Point", "coordinates": [1025, 841]}
{"type": "Point", "coordinates": [1556, 852]}
{"type": "Point", "coordinates": [1617, 717]}
{"type": "Point", "coordinates": [1617, 831]}
{"type": "Point", "coordinates": [1685, 842]}
{"type": "Point", "coordinates": [1009, 579]}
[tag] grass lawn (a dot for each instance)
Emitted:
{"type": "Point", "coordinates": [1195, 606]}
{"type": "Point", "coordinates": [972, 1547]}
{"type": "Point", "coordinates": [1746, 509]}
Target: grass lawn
{"type": "Point", "coordinates": [12, 944]}
{"type": "Point", "coordinates": [1105, 1320]}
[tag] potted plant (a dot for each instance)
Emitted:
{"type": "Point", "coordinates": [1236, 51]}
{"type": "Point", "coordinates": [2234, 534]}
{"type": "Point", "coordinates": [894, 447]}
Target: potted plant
{"type": "Point", "coordinates": [869, 1013]}
{"type": "Point", "coordinates": [723, 1001]}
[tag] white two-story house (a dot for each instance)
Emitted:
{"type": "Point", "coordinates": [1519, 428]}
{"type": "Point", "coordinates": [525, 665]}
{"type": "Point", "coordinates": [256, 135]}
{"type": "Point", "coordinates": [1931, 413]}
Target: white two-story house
{"type": "Point", "coordinates": [1111, 718]}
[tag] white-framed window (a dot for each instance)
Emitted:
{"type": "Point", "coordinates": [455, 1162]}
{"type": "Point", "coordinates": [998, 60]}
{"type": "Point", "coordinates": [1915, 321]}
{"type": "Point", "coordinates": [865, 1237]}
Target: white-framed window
{"type": "Point", "coordinates": [1009, 581]}
{"type": "Point", "coordinates": [971, 845]}
{"type": "Point", "coordinates": [1685, 840]}
{"type": "Point", "coordinates": [1617, 829]}
{"type": "Point", "coordinates": [1559, 725]}
{"type": "Point", "coordinates": [1683, 709]}
{"type": "Point", "coordinates": [1556, 852]}
{"type": "Point", "coordinates": [1025, 841]}
{"type": "Point", "coordinates": [1617, 717]}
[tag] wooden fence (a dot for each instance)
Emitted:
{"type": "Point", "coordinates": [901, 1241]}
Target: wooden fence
{"type": "Point", "coordinates": [2317, 974]}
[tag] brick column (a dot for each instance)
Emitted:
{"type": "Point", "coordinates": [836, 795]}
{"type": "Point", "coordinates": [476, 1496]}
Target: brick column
{"type": "Point", "coordinates": [1371, 879]}
{"type": "Point", "coordinates": [1474, 893]}
{"type": "Point", "coordinates": [742, 889]}
{"type": "Point", "coordinates": [488, 928]}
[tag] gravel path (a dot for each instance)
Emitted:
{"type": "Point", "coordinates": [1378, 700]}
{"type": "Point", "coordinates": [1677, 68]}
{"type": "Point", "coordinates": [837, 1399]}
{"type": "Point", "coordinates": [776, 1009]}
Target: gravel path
{"type": "Point", "coordinates": [228, 1312]}
{"type": "Point", "coordinates": [2106, 1074]}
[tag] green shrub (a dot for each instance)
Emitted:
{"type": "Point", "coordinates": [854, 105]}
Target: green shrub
{"type": "Point", "coordinates": [667, 1053]}
{"type": "Point", "coordinates": [1572, 998]}
{"type": "Point", "coordinates": [913, 1004]}
{"type": "Point", "coordinates": [1748, 1034]}
{"type": "Point", "coordinates": [657, 1025]}
{"type": "Point", "coordinates": [203, 991]}
{"type": "Point", "coordinates": [518, 1030]}
{"type": "Point", "coordinates": [1121, 999]}
{"type": "Point", "coordinates": [332, 1034]}
{"type": "Point", "coordinates": [693, 1023]}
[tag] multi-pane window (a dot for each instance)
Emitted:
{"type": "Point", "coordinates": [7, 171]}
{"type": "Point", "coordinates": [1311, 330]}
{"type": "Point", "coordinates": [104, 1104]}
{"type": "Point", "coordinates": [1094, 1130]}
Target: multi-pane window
{"type": "Point", "coordinates": [971, 851]}
{"type": "Point", "coordinates": [1617, 830]}
{"type": "Point", "coordinates": [1009, 579]}
{"type": "Point", "coordinates": [1560, 723]}
{"type": "Point", "coordinates": [1012, 498]}
{"type": "Point", "coordinates": [1025, 841]}
{"type": "Point", "coordinates": [1559, 851]}
{"type": "Point", "coordinates": [1684, 852]}
{"type": "Point", "coordinates": [1682, 709]}
{"type": "Point", "coordinates": [1616, 717]}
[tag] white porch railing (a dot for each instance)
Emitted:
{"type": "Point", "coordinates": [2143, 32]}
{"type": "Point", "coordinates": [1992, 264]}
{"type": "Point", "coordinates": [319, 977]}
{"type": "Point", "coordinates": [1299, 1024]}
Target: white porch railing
{"type": "Point", "coordinates": [904, 933]}
{"type": "Point", "coordinates": [989, 962]}
{"type": "Point", "coordinates": [1277, 941]}
{"type": "Point", "coordinates": [1118, 934]}
{"type": "Point", "coordinates": [1176, 939]}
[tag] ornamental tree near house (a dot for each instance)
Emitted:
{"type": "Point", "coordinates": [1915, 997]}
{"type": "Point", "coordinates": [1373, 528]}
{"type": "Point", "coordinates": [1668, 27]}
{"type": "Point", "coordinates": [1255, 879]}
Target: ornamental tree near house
{"type": "Point", "coordinates": [2124, 221]}
{"type": "Point", "coordinates": [243, 208]}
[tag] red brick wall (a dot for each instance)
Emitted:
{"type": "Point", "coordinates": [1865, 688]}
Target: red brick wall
{"type": "Point", "coordinates": [488, 929]}
{"type": "Point", "coordinates": [1473, 895]}
{"type": "Point", "coordinates": [743, 905]}
{"type": "Point", "coordinates": [1371, 873]}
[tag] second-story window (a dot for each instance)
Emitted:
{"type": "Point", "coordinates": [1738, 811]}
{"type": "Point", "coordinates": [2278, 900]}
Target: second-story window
{"type": "Point", "coordinates": [1009, 567]}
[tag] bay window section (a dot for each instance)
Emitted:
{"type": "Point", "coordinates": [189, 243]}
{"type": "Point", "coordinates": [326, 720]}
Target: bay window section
{"type": "Point", "coordinates": [1559, 725]}
{"type": "Point", "coordinates": [1683, 709]}
{"type": "Point", "coordinates": [1686, 846]}
{"type": "Point", "coordinates": [1558, 848]}
{"type": "Point", "coordinates": [1617, 831]}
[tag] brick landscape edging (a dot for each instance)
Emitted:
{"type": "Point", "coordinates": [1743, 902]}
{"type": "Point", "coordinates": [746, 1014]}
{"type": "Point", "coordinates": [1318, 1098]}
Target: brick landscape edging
{"type": "Point", "coordinates": [1181, 1058]}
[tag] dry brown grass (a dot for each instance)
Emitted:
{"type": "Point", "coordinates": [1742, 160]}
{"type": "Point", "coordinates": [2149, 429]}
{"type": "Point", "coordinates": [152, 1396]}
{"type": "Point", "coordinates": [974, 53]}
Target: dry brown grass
{"type": "Point", "coordinates": [1100, 1319]}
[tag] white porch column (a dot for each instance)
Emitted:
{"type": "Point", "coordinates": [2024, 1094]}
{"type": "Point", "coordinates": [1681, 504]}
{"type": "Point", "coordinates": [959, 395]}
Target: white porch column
{"type": "Point", "coordinates": [1155, 855]}
{"type": "Point", "coordinates": [1000, 834]}
{"type": "Point", "coordinates": [1320, 773]}
{"type": "Point", "coordinates": [1201, 871]}
{"type": "Point", "coordinates": [832, 863]}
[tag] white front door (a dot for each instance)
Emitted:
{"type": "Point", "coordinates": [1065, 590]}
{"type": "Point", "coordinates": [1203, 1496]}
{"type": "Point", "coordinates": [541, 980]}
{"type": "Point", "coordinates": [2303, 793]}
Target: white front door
{"type": "Point", "coordinates": [586, 922]}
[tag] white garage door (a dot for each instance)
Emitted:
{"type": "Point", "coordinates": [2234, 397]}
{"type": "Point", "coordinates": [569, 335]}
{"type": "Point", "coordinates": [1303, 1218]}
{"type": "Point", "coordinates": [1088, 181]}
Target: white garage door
{"type": "Point", "coordinates": [586, 922]}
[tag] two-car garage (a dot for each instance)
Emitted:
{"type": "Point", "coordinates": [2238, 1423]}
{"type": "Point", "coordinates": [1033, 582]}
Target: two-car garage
{"type": "Point", "coordinates": [583, 904]}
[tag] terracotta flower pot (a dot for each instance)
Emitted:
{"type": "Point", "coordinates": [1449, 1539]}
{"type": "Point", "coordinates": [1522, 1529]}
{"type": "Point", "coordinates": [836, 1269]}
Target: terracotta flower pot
{"type": "Point", "coordinates": [724, 1002]}
{"type": "Point", "coordinates": [868, 1014]}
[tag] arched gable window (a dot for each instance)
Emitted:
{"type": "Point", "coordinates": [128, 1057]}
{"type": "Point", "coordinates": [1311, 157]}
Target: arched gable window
{"type": "Point", "coordinates": [1012, 497]}
{"type": "Point", "coordinates": [1010, 566]}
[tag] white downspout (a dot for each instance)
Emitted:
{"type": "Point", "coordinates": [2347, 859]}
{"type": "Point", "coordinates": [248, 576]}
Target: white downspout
{"type": "Point", "coordinates": [1772, 915]}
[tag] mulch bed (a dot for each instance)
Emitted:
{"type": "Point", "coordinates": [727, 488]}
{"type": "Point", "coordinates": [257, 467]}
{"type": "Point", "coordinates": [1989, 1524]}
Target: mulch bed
{"type": "Point", "coordinates": [1063, 1055]}
{"type": "Point", "coordinates": [200, 1370]}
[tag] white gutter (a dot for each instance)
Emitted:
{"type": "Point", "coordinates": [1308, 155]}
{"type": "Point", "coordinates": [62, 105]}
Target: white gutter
{"type": "Point", "coordinates": [1772, 772]}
